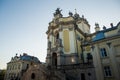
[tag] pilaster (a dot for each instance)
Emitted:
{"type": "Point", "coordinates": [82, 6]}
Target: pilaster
{"type": "Point", "coordinates": [97, 63]}
{"type": "Point", "coordinates": [115, 71]}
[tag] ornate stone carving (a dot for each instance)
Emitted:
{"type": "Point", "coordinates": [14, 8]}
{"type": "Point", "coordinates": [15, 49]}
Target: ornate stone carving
{"type": "Point", "coordinates": [51, 33]}
{"type": "Point", "coordinates": [70, 28]}
{"type": "Point", "coordinates": [92, 47]}
{"type": "Point", "coordinates": [60, 28]}
{"type": "Point", "coordinates": [58, 42]}
{"type": "Point", "coordinates": [70, 14]}
{"type": "Point", "coordinates": [49, 45]}
{"type": "Point", "coordinates": [59, 50]}
{"type": "Point", "coordinates": [58, 11]}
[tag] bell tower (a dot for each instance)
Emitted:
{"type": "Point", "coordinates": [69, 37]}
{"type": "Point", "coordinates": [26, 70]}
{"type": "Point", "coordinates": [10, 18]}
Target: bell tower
{"type": "Point", "coordinates": [65, 38]}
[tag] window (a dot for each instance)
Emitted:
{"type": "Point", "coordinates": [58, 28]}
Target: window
{"type": "Point", "coordinates": [82, 76]}
{"type": "Point", "coordinates": [33, 76]}
{"type": "Point", "coordinates": [89, 56]}
{"type": "Point", "coordinates": [103, 52]}
{"type": "Point", "coordinates": [27, 66]}
{"type": "Point", "coordinates": [57, 36]}
{"type": "Point", "coordinates": [77, 37]}
{"type": "Point", "coordinates": [107, 71]}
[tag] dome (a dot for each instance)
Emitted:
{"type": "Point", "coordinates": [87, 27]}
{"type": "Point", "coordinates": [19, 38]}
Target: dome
{"type": "Point", "coordinates": [29, 58]}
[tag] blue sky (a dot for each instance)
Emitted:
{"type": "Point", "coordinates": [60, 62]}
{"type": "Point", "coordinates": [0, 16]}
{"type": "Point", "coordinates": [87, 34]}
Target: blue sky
{"type": "Point", "coordinates": [23, 23]}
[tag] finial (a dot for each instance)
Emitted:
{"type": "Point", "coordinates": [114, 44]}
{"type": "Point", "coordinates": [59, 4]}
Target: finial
{"type": "Point", "coordinates": [96, 24]}
{"type": "Point", "coordinates": [16, 54]}
{"type": "Point", "coordinates": [104, 27]}
{"type": "Point", "coordinates": [70, 13]}
{"type": "Point", "coordinates": [82, 16]}
{"type": "Point", "coordinates": [58, 11]}
{"type": "Point", "coordinates": [111, 24]}
{"type": "Point", "coordinates": [75, 11]}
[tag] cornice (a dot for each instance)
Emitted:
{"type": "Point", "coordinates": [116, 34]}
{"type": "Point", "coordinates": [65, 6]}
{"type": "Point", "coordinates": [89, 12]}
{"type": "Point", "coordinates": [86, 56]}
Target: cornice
{"type": "Point", "coordinates": [83, 20]}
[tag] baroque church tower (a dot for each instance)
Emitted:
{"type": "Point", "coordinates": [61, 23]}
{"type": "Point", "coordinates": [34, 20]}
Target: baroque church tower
{"type": "Point", "coordinates": [65, 38]}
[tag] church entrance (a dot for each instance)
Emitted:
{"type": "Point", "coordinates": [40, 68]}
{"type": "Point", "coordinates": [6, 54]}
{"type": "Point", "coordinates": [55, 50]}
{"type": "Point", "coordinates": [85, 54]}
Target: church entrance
{"type": "Point", "coordinates": [54, 59]}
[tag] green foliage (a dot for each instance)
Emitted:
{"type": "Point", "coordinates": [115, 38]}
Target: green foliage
{"type": "Point", "coordinates": [2, 74]}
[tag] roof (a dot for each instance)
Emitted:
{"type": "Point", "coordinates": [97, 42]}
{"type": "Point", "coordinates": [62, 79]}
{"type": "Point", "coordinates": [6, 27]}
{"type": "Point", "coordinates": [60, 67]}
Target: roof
{"type": "Point", "coordinates": [29, 58]}
{"type": "Point", "coordinates": [99, 36]}
{"type": "Point", "coordinates": [25, 57]}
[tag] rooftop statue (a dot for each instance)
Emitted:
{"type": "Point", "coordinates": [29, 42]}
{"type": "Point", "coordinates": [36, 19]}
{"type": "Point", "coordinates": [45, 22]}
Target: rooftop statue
{"type": "Point", "coordinates": [70, 13]}
{"type": "Point", "coordinates": [58, 11]}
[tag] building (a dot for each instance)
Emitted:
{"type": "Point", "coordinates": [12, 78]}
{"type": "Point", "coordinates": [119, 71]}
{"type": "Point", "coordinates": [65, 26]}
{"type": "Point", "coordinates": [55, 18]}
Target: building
{"type": "Point", "coordinates": [2, 74]}
{"type": "Point", "coordinates": [106, 52]}
{"type": "Point", "coordinates": [73, 53]}
{"type": "Point", "coordinates": [19, 65]}
{"type": "Point", "coordinates": [71, 47]}
{"type": "Point", "coordinates": [36, 72]}
{"type": "Point", "coordinates": [66, 38]}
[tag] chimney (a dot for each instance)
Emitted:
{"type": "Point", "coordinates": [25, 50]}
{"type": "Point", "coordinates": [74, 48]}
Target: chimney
{"type": "Point", "coordinates": [111, 24]}
{"type": "Point", "coordinates": [97, 28]}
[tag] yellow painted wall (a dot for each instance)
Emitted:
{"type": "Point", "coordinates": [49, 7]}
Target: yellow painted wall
{"type": "Point", "coordinates": [66, 40]}
{"type": "Point", "coordinates": [87, 48]}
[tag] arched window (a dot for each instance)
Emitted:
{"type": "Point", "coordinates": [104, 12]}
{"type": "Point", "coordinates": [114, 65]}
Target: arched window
{"type": "Point", "coordinates": [57, 36]}
{"type": "Point", "coordinates": [33, 76]}
{"type": "Point", "coordinates": [54, 59]}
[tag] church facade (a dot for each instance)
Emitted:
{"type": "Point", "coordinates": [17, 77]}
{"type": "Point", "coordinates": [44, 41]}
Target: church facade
{"type": "Point", "coordinates": [66, 38]}
{"type": "Point", "coordinates": [81, 54]}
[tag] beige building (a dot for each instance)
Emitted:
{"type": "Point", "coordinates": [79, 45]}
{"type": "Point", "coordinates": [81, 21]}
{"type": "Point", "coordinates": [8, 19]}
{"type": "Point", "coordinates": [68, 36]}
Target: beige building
{"type": "Point", "coordinates": [19, 65]}
{"type": "Point", "coordinates": [66, 37]}
{"type": "Point", "coordinates": [70, 43]}
{"type": "Point", "coordinates": [106, 52]}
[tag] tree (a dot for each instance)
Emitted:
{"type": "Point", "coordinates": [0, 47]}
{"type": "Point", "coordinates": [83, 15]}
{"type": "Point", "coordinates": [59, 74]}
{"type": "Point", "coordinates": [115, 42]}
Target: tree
{"type": "Point", "coordinates": [2, 74]}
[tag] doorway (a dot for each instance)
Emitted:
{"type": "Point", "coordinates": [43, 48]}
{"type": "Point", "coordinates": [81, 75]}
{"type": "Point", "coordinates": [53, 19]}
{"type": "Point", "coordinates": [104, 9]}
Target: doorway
{"type": "Point", "coordinates": [82, 76]}
{"type": "Point", "coordinates": [54, 59]}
